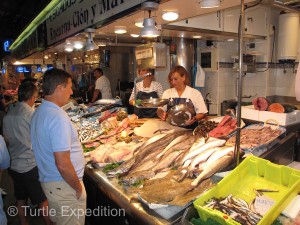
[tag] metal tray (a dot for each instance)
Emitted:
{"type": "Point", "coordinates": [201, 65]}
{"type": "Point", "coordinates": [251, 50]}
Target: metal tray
{"type": "Point", "coordinates": [153, 103]}
{"type": "Point", "coordinates": [179, 114]}
{"type": "Point", "coordinates": [258, 150]}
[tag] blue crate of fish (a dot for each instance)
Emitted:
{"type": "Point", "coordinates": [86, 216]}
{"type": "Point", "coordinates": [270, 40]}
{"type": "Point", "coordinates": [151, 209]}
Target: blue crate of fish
{"type": "Point", "coordinates": [281, 184]}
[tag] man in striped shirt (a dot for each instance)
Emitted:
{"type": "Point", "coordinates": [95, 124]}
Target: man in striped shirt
{"type": "Point", "coordinates": [147, 88]}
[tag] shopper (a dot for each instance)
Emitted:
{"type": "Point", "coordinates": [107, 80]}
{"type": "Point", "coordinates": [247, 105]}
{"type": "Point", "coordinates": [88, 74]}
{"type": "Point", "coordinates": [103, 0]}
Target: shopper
{"type": "Point", "coordinates": [181, 93]}
{"type": "Point", "coordinates": [102, 86]}
{"type": "Point", "coordinates": [146, 89]}
{"type": "Point", "coordinates": [4, 164]}
{"type": "Point", "coordinates": [3, 106]}
{"type": "Point", "coordinates": [23, 169]}
{"type": "Point", "coordinates": [58, 152]}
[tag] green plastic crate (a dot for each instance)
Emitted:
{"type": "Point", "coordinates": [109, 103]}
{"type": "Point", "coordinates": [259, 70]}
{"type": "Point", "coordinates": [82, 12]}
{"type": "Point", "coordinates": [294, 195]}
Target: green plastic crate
{"type": "Point", "coordinates": [253, 173]}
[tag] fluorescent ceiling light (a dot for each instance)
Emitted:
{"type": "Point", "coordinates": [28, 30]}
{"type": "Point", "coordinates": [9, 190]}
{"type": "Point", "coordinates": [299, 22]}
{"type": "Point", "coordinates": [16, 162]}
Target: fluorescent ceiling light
{"type": "Point", "coordinates": [170, 16]}
{"type": "Point", "coordinates": [69, 47]}
{"type": "Point", "coordinates": [149, 29]}
{"type": "Point", "coordinates": [134, 35]}
{"type": "Point", "coordinates": [197, 36]}
{"type": "Point", "coordinates": [78, 45]}
{"type": "Point", "coordinates": [209, 3]}
{"type": "Point", "coordinates": [230, 39]}
{"type": "Point", "coordinates": [120, 30]}
{"type": "Point", "coordinates": [139, 23]}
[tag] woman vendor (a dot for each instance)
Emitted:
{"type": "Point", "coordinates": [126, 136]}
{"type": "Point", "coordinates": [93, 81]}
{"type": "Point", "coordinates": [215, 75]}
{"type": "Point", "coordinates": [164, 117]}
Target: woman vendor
{"type": "Point", "coordinates": [181, 93]}
{"type": "Point", "coordinates": [147, 88]}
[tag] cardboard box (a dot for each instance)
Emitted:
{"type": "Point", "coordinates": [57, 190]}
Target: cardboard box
{"type": "Point", "coordinates": [248, 112]}
{"type": "Point", "coordinates": [283, 119]}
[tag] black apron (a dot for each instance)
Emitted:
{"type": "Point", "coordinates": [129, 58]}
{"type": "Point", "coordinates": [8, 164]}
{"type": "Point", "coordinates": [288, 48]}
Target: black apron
{"type": "Point", "coordinates": [142, 112]}
{"type": "Point", "coordinates": [184, 101]}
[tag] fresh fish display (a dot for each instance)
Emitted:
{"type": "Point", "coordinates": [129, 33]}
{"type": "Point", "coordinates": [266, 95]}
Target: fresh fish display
{"type": "Point", "coordinates": [236, 208]}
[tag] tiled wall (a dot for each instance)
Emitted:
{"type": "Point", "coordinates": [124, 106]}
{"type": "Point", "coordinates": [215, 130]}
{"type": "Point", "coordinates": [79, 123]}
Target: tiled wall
{"type": "Point", "coordinates": [278, 79]}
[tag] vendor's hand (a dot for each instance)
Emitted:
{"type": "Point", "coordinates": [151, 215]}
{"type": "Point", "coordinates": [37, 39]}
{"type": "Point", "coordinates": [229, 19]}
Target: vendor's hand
{"type": "Point", "coordinates": [191, 121]}
{"type": "Point", "coordinates": [161, 114]}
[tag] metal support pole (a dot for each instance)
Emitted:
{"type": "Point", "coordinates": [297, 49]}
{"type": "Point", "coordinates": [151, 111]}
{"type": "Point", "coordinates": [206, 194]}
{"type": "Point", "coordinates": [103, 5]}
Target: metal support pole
{"type": "Point", "coordinates": [239, 100]}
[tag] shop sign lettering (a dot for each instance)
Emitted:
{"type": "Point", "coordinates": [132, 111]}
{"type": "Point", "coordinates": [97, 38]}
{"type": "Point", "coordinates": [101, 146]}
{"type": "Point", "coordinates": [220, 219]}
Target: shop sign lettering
{"type": "Point", "coordinates": [73, 16]}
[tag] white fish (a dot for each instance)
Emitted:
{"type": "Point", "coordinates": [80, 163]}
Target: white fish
{"type": "Point", "coordinates": [202, 157]}
{"type": "Point", "coordinates": [172, 143]}
{"type": "Point", "coordinates": [216, 155]}
{"type": "Point", "coordinates": [212, 144]}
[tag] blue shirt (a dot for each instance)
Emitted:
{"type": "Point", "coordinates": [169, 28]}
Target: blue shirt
{"type": "Point", "coordinates": [52, 131]}
{"type": "Point", "coordinates": [4, 164]}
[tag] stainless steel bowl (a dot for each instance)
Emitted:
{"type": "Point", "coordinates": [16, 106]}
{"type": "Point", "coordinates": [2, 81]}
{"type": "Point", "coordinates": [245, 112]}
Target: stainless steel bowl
{"type": "Point", "coordinates": [154, 102]}
{"type": "Point", "coordinates": [178, 115]}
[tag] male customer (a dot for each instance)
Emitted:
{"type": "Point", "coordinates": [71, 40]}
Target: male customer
{"type": "Point", "coordinates": [102, 86]}
{"type": "Point", "coordinates": [4, 164]}
{"type": "Point", "coordinates": [23, 169]}
{"type": "Point", "coordinates": [58, 152]}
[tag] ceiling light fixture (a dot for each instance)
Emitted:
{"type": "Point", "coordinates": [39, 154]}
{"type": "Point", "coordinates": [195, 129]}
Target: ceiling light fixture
{"type": "Point", "coordinates": [120, 30]}
{"type": "Point", "coordinates": [149, 29]}
{"type": "Point", "coordinates": [90, 44]}
{"type": "Point", "coordinates": [197, 36]}
{"type": "Point", "coordinates": [170, 16]}
{"type": "Point", "coordinates": [209, 3]}
{"type": "Point", "coordinates": [139, 23]}
{"type": "Point", "coordinates": [69, 47]}
{"type": "Point", "coordinates": [78, 45]}
{"type": "Point", "coordinates": [134, 35]}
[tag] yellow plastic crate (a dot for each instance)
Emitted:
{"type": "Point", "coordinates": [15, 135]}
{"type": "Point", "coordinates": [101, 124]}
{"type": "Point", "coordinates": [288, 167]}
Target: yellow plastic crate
{"type": "Point", "coordinates": [253, 173]}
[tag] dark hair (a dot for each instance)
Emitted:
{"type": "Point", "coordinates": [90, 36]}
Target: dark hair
{"type": "Point", "coordinates": [26, 90]}
{"type": "Point", "coordinates": [99, 70]}
{"type": "Point", "coordinates": [52, 78]}
{"type": "Point", "coordinates": [30, 79]}
{"type": "Point", "coordinates": [2, 87]}
{"type": "Point", "coordinates": [182, 71]}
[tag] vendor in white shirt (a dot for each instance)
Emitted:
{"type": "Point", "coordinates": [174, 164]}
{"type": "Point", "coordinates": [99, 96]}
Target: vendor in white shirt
{"type": "Point", "coordinates": [147, 88]}
{"type": "Point", "coordinates": [181, 93]}
{"type": "Point", "coordinates": [102, 86]}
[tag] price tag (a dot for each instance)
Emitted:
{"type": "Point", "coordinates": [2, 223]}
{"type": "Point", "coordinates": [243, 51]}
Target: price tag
{"type": "Point", "coordinates": [263, 204]}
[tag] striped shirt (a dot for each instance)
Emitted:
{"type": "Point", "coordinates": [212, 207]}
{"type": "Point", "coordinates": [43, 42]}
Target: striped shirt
{"type": "Point", "coordinates": [155, 86]}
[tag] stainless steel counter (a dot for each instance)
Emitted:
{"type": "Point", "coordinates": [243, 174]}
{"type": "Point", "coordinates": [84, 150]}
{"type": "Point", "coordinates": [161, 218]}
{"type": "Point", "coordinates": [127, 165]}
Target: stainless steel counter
{"type": "Point", "coordinates": [136, 213]}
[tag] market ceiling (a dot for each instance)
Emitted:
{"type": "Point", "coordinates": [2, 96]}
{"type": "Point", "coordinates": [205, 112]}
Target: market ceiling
{"type": "Point", "coordinates": [15, 15]}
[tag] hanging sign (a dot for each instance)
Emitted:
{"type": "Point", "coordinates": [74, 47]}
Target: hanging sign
{"type": "Point", "coordinates": [6, 45]}
{"type": "Point", "coordinates": [73, 16]}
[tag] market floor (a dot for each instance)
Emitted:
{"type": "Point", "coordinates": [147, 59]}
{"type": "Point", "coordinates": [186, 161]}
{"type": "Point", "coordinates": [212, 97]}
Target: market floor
{"type": "Point", "coordinates": [9, 201]}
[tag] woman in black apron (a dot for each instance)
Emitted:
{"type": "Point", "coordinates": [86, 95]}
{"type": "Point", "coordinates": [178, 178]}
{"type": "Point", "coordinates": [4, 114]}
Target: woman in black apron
{"type": "Point", "coordinates": [146, 89]}
{"type": "Point", "coordinates": [181, 93]}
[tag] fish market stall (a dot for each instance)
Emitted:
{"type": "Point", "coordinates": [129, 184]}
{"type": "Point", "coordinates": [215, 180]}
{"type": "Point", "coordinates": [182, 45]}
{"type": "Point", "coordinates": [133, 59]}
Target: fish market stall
{"type": "Point", "coordinates": [151, 169]}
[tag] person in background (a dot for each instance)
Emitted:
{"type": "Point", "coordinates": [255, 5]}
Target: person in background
{"type": "Point", "coordinates": [58, 152]}
{"type": "Point", "coordinates": [181, 93]}
{"type": "Point", "coordinates": [4, 164]}
{"type": "Point", "coordinates": [3, 107]}
{"type": "Point", "coordinates": [102, 86]}
{"type": "Point", "coordinates": [23, 169]}
{"type": "Point", "coordinates": [147, 88]}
